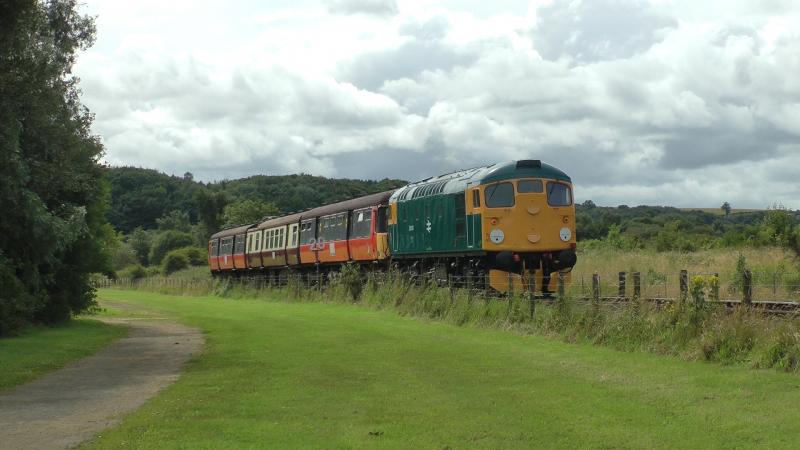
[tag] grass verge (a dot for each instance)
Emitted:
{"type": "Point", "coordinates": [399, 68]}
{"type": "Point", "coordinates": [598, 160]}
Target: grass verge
{"type": "Point", "coordinates": [279, 374]}
{"type": "Point", "coordinates": [44, 349]}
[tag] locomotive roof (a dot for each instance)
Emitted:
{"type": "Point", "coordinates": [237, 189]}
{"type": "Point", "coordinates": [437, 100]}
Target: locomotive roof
{"type": "Point", "coordinates": [456, 182]}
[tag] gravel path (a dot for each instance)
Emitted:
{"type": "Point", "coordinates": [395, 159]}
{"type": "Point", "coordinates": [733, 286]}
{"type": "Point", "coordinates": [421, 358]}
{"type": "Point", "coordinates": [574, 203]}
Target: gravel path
{"type": "Point", "coordinates": [73, 404]}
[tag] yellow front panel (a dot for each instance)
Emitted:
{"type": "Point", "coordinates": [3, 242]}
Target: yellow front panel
{"type": "Point", "coordinates": [530, 225]}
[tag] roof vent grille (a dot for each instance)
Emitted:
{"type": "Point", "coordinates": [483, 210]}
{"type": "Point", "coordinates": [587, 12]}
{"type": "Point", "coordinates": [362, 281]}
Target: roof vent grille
{"type": "Point", "coordinates": [529, 164]}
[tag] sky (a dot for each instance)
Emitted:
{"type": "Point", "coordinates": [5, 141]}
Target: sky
{"type": "Point", "coordinates": [661, 102]}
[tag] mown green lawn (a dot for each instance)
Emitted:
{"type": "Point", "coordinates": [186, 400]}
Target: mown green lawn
{"type": "Point", "coordinates": [288, 375]}
{"type": "Point", "coordinates": [41, 349]}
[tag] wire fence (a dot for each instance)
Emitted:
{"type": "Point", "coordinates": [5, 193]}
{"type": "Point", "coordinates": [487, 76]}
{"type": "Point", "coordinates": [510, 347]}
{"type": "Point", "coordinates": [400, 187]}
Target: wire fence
{"type": "Point", "coordinates": [771, 290]}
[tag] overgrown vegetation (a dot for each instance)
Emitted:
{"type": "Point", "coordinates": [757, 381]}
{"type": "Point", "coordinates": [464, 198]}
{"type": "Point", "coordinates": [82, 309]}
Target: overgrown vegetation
{"type": "Point", "coordinates": [693, 329]}
{"type": "Point", "coordinates": [671, 229]}
{"type": "Point", "coordinates": [53, 196]}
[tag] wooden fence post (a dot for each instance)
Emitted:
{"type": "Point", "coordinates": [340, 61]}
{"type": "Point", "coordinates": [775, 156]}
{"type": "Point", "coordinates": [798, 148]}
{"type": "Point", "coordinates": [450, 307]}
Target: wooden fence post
{"type": "Point", "coordinates": [684, 282]}
{"type": "Point", "coordinates": [715, 288]}
{"type": "Point", "coordinates": [510, 284]}
{"type": "Point", "coordinates": [637, 285]}
{"type": "Point", "coordinates": [596, 288]}
{"type": "Point", "coordinates": [747, 287]}
{"type": "Point", "coordinates": [622, 284]}
{"type": "Point", "coordinates": [561, 283]}
{"type": "Point", "coordinates": [532, 291]}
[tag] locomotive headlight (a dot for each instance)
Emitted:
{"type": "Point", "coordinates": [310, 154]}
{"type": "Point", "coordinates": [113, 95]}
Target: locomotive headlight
{"type": "Point", "coordinates": [565, 234]}
{"type": "Point", "coordinates": [497, 236]}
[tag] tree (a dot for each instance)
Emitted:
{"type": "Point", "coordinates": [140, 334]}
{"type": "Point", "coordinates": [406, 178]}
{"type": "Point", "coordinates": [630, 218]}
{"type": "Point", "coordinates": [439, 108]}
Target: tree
{"type": "Point", "coordinates": [52, 190]}
{"type": "Point", "coordinates": [166, 241]}
{"type": "Point", "coordinates": [174, 220]}
{"type": "Point", "coordinates": [140, 241]}
{"type": "Point", "coordinates": [210, 206]}
{"type": "Point", "coordinates": [247, 211]}
{"type": "Point", "coordinates": [726, 208]}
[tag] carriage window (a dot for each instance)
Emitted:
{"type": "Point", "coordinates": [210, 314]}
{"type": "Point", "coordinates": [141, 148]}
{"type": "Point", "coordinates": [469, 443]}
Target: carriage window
{"type": "Point", "coordinates": [239, 244]}
{"type": "Point", "coordinates": [476, 198]}
{"type": "Point", "coordinates": [361, 224]}
{"type": "Point", "coordinates": [500, 195]}
{"type": "Point", "coordinates": [307, 232]}
{"type": "Point", "coordinates": [529, 186]}
{"type": "Point", "coordinates": [558, 194]}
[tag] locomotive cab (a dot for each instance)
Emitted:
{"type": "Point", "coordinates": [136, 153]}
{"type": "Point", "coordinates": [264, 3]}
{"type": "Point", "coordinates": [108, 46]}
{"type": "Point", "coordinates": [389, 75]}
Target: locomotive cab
{"type": "Point", "coordinates": [528, 223]}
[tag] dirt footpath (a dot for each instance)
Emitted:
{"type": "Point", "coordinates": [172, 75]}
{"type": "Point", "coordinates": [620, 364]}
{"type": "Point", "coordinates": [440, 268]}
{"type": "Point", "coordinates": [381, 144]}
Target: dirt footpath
{"type": "Point", "coordinates": [73, 404]}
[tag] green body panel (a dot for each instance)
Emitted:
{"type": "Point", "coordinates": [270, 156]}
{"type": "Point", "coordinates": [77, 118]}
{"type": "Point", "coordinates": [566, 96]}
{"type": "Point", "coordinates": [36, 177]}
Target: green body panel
{"type": "Point", "coordinates": [474, 241]}
{"type": "Point", "coordinates": [434, 224]}
{"type": "Point", "coordinates": [438, 203]}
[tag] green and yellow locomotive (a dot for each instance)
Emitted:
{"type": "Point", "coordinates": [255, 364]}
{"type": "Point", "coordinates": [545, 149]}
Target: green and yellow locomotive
{"type": "Point", "coordinates": [501, 224]}
{"type": "Point", "coordinates": [506, 221]}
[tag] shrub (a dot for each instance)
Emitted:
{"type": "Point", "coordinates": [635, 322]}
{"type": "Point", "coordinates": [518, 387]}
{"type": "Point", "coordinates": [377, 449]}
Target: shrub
{"type": "Point", "coordinates": [167, 241]}
{"type": "Point", "coordinates": [784, 353]}
{"type": "Point", "coordinates": [730, 339]}
{"type": "Point", "coordinates": [196, 256]}
{"type": "Point", "coordinates": [350, 279]}
{"type": "Point", "coordinates": [122, 256]}
{"type": "Point", "coordinates": [175, 261]}
{"type": "Point", "coordinates": [134, 272]}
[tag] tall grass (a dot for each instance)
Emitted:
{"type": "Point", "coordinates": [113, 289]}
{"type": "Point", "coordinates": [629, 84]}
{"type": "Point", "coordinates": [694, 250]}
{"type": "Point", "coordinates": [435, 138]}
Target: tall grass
{"type": "Point", "coordinates": [692, 330]}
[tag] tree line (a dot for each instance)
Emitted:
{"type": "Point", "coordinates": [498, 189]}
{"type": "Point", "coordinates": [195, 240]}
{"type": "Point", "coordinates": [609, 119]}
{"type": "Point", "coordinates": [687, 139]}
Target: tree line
{"type": "Point", "coordinates": [662, 228]}
{"type": "Point", "coordinates": [165, 221]}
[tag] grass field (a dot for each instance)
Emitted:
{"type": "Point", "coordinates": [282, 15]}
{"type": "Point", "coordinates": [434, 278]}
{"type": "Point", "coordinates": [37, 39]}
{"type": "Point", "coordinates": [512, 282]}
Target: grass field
{"type": "Point", "coordinates": [287, 375]}
{"type": "Point", "coordinates": [41, 350]}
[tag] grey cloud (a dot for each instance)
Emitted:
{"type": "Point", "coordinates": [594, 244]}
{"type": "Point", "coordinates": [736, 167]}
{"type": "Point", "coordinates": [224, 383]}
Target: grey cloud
{"type": "Point", "coordinates": [382, 8]}
{"type": "Point", "coordinates": [594, 30]}
{"type": "Point", "coordinates": [719, 146]}
{"type": "Point", "coordinates": [405, 164]}
{"type": "Point", "coordinates": [370, 71]}
{"type": "Point", "coordinates": [630, 121]}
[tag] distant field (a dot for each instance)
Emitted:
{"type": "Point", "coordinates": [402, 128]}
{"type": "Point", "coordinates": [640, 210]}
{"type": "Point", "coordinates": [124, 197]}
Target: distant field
{"type": "Point", "coordinates": [288, 375]}
{"type": "Point", "coordinates": [720, 212]}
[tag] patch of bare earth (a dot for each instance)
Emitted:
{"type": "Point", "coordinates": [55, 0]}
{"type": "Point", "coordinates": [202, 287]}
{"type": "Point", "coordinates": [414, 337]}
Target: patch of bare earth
{"type": "Point", "coordinates": [73, 404]}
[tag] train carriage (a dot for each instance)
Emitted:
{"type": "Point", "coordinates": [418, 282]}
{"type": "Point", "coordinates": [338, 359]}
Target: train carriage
{"type": "Point", "coordinates": [274, 242]}
{"type": "Point", "coordinates": [352, 230]}
{"type": "Point", "coordinates": [228, 249]}
{"type": "Point", "coordinates": [505, 221]}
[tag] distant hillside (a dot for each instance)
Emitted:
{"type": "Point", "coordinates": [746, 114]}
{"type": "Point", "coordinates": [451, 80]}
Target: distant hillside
{"type": "Point", "coordinates": [720, 212]}
{"type": "Point", "coordinates": [667, 228]}
{"type": "Point", "coordinates": [140, 196]}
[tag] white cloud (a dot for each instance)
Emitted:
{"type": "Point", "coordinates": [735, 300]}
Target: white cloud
{"type": "Point", "coordinates": [663, 102]}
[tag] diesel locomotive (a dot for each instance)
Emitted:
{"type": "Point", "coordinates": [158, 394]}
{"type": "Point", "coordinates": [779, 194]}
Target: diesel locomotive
{"type": "Point", "coordinates": [508, 225]}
